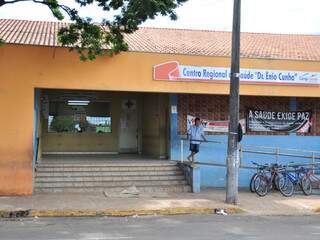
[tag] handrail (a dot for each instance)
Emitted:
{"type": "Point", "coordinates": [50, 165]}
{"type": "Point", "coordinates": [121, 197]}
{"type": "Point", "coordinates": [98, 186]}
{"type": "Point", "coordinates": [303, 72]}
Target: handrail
{"type": "Point", "coordinates": [247, 166]}
{"type": "Point", "coordinates": [282, 154]}
{"type": "Point", "coordinates": [256, 146]}
{"type": "Point", "coordinates": [277, 151]}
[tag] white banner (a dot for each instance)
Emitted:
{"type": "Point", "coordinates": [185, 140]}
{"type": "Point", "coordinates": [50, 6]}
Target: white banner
{"type": "Point", "coordinates": [175, 72]}
{"type": "Point", "coordinates": [214, 126]}
{"type": "Point", "coordinates": [250, 75]}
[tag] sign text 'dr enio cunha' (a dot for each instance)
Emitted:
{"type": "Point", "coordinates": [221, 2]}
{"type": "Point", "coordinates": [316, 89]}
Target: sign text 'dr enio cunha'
{"type": "Point", "coordinates": [173, 71]}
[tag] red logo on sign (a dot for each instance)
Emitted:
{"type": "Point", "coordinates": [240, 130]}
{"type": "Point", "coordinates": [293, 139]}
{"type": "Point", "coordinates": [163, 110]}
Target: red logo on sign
{"type": "Point", "coordinates": [166, 71]}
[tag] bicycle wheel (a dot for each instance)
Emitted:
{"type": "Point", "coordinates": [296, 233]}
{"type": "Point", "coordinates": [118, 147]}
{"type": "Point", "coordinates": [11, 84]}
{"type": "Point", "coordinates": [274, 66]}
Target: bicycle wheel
{"type": "Point", "coordinates": [276, 180]}
{"type": "Point", "coordinates": [285, 185]}
{"type": "Point", "coordinates": [261, 185]}
{"type": "Point", "coordinates": [306, 185]}
{"type": "Point", "coordinates": [254, 176]}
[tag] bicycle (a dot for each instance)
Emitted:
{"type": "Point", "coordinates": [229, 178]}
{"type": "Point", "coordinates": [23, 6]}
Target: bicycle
{"type": "Point", "coordinates": [260, 170]}
{"type": "Point", "coordinates": [267, 180]}
{"type": "Point", "coordinates": [314, 177]}
{"type": "Point", "coordinates": [290, 180]}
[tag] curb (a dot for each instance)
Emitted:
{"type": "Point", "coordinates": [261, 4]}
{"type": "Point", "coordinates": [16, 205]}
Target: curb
{"type": "Point", "coordinates": [112, 212]}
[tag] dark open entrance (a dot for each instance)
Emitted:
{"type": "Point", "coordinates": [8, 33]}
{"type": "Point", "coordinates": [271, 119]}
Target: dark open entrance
{"type": "Point", "coordinates": [103, 123]}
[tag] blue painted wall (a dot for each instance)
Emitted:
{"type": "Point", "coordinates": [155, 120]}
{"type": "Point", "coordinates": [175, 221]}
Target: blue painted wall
{"type": "Point", "coordinates": [174, 138]}
{"type": "Point", "coordinates": [216, 153]}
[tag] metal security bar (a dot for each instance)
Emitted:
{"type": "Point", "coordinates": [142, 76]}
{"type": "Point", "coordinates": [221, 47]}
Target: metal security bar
{"type": "Point", "coordinates": [313, 156]}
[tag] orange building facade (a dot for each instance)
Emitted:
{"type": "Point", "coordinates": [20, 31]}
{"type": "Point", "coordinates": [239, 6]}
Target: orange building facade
{"type": "Point", "coordinates": [29, 70]}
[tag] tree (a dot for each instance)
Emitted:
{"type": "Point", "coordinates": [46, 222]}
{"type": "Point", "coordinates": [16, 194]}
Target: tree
{"type": "Point", "coordinates": [90, 39]}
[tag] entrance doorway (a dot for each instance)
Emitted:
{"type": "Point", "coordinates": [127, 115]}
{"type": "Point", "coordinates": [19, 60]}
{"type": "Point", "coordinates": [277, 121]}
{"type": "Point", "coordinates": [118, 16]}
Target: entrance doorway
{"type": "Point", "coordinates": [102, 122]}
{"type": "Point", "coordinates": [128, 132]}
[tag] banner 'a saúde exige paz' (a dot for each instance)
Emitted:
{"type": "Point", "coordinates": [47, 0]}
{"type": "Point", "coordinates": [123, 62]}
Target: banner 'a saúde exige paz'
{"type": "Point", "coordinates": [267, 121]}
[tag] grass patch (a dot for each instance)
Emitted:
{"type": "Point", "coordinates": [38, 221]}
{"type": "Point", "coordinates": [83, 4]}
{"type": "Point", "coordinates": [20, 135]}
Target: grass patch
{"type": "Point", "coordinates": [235, 210]}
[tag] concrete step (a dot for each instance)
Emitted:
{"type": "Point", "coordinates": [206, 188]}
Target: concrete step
{"type": "Point", "coordinates": [106, 168]}
{"type": "Point", "coordinates": [107, 163]}
{"type": "Point", "coordinates": [93, 176]}
{"type": "Point", "coordinates": [107, 184]}
{"type": "Point", "coordinates": [106, 173]}
{"type": "Point", "coordinates": [143, 189]}
{"type": "Point", "coordinates": [106, 178]}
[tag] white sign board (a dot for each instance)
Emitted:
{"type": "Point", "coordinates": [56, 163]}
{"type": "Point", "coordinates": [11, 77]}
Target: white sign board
{"type": "Point", "coordinates": [214, 126]}
{"type": "Point", "coordinates": [175, 72]}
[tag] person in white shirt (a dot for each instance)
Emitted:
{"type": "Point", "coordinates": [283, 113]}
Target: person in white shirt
{"type": "Point", "coordinates": [196, 136]}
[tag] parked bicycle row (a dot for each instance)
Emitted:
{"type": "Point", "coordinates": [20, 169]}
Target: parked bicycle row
{"type": "Point", "coordinates": [285, 178]}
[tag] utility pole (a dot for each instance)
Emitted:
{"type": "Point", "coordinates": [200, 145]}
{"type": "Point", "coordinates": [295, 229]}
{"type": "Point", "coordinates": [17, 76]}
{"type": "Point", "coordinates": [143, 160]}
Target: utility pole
{"type": "Point", "coordinates": [233, 149]}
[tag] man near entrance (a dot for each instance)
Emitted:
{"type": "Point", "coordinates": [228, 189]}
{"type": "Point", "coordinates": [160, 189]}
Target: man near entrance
{"type": "Point", "coordinates": [196, 136]}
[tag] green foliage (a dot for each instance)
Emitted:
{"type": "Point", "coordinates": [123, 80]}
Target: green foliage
{"type": "Point", "coordinates": [62, 124]}
{"type": "Point", "coordinates": [55, 8]}
{"type": "Point", "coordinates": [91, 40]}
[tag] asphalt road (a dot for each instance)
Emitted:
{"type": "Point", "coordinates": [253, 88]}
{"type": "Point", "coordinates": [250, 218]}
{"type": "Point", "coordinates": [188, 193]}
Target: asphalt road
{"type": "Point", "coordinates": [164, 228]}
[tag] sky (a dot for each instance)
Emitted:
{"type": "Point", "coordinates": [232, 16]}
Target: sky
{"type": "Point", "coordinates": [269, 16]}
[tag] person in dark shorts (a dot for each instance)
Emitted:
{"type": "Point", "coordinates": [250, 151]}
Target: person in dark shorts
{"type": "Point", "coordinates": [196, 136]}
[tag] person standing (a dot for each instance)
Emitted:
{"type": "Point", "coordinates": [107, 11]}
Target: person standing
{"type": "Point", "coordinates": [196, 136]}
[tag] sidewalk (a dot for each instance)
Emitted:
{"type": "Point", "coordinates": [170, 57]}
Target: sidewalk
{"type": "Point", "coordinates": [99, 204]}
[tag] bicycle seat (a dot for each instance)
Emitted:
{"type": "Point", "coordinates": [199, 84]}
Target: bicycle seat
{"type": "Point", "coordinates": [260, 166]}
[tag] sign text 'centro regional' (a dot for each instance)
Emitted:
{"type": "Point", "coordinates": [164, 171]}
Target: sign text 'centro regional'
{"type": "Point", "coordinates": [174, 72]}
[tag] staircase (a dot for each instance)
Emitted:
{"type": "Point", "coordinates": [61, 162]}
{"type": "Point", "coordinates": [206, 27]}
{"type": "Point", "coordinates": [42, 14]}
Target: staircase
{"type": "Point", "coordinates": [111, 176]}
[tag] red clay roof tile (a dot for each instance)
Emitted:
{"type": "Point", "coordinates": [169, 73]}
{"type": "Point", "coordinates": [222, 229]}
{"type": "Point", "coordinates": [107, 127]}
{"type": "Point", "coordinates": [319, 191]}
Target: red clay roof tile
{"type": "Point", "coordinates": [178, 41]}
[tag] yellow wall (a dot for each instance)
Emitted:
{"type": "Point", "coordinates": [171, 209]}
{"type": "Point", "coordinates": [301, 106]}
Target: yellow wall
{"type": "Point", "coordinates": [24, 68]}
{"type": "Point", "coordinates": [16, 121]}
{"type": "Point", "coordinates": [46, 67]}
{"type": "Point", "coordinates": [164, 125]}
{"type": "Point", "coordinates": [155, 125]}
